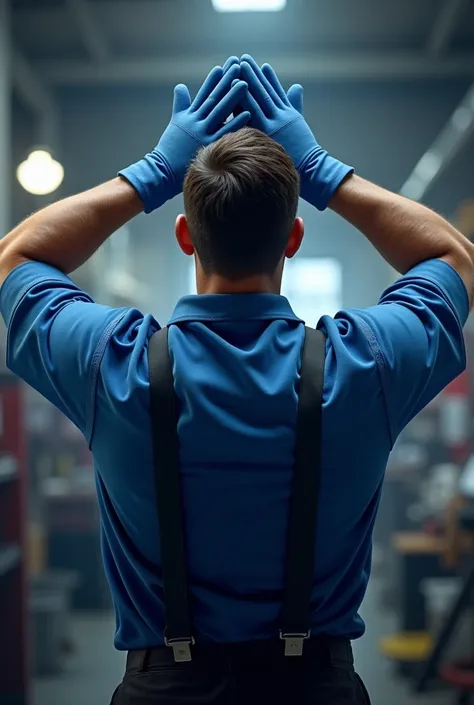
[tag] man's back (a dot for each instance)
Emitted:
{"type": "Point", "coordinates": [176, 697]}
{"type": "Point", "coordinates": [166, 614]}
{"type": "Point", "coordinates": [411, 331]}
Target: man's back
{"type": "Point", "coordinates": [236, 362]}
{"type": "Point", "coordinates": [237, 383]}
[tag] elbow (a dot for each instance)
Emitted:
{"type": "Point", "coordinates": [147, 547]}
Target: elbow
{"type": "Point", "coordinates": [10, 258]}
{"type": "Point", "coordinates": [462, 260]}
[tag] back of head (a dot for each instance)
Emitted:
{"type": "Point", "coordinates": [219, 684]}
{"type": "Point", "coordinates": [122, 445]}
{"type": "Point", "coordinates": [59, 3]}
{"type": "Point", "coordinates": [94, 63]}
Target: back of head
{"type": "Point", "coordinates": [241, 196]}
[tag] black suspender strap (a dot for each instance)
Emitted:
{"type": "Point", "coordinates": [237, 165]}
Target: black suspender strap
{"type": "Point", "coordinates": [300, 561]}
{"type": "Point", "coordinates": [164, 419]}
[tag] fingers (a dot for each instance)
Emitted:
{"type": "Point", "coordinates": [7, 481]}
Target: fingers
{"type": "Point", "coordinates": [207, 87]}
{"type": "Point", "coordinates": [262, 78]}
{"type": "Point", "coordinates": [238, 108]}
{"type": "Point", "coordinates": [274, 81]}
{"type": "Point", "coordinates": [250, 105]}
{"type": "Point", "coordinates": [256, 96]}
{"type": "Point", "coordinates": [220, 92]}
{"type": "Point", "coordinates": [295, 96]}
{"type": "Point", "coordinates": [226, 106]}
{"type": "Point", "coordinates": [230, 62]}
{"type": "Point", "coordinates": [182, 99]}
{"type": "Point", "coordinates": [256, 90]}
{"type": "Point", "coordinates": [234, 125]}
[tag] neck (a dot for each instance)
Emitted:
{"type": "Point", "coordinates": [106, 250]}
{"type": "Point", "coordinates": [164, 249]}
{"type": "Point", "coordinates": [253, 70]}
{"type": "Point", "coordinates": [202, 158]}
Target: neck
{"type": "Point", "coordinates": [215, 284]}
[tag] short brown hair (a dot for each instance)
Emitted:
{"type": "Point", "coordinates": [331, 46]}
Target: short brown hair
{"type": "Point", "coordinates": [240, 197]}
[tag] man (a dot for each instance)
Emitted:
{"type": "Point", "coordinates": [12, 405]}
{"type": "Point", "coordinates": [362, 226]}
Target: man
{"type": "Point", "coordinates": [236, 354]}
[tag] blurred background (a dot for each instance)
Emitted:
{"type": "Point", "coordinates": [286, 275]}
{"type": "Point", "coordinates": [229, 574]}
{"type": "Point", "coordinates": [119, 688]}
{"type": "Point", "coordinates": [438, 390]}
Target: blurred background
{"type": "Point", "coordinates": [85, 89]}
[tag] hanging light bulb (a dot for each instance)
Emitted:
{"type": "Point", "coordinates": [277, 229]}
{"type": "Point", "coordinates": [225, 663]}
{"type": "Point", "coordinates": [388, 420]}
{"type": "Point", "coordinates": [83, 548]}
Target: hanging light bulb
{"type": "Point", "coordinates": [40, 174]}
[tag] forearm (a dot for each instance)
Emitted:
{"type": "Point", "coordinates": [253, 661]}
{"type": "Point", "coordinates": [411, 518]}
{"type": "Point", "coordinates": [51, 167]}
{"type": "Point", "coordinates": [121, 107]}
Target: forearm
{"type": "Point", "coordinates": [403, 231]}
{"type": "Point", "coordinates": [65, 234]}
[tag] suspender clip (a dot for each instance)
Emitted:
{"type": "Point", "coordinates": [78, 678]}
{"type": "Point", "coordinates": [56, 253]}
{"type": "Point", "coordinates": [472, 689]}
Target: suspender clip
{"type": "Point", "coordinates": [294, 643]}
{"type": "Point", "coordinates": [181, 649]}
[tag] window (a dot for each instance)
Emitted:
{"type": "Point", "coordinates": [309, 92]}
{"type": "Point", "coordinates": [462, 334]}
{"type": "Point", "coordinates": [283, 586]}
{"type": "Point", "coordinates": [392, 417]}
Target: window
{"type": "Point", "coordinates": [192, 277]}
{"type": "Point", "coordinates": [313, 286]}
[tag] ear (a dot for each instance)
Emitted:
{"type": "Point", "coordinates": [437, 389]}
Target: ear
{"type": "Point", "coordinates": [296, 238]}
{"type": "Point", "coordinates": [183, 236]}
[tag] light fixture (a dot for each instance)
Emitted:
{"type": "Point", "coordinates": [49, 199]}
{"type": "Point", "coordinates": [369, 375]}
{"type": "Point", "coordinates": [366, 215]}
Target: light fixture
{"type": "Point", "coordinates": [249, 5]}
{"type": "Point", "coordinates": [40, 174]}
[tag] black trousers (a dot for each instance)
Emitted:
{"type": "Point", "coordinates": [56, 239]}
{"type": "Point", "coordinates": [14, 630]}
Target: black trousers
{"type": "Point", "coordinates": [256, 673]}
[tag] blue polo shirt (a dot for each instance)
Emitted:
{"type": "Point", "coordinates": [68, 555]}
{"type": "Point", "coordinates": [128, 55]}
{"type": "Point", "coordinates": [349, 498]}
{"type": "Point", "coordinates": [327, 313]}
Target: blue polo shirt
{"type": "Point", "coordinates": [236, 361]}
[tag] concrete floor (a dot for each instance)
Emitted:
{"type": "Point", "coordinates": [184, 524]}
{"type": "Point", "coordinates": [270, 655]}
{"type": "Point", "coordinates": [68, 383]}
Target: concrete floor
{"type": "Point", "coordinates": [92, 676]}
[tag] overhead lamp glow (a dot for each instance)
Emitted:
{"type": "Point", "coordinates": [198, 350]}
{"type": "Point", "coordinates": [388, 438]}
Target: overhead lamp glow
{"type": "Point", "coordinates": [40, 174]}
{"type": "Point", "coordinates": [249, 5]}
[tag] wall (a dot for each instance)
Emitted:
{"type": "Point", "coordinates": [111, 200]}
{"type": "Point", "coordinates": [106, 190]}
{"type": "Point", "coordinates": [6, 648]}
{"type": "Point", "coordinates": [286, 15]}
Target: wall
{"type": "Point", "coordinates": [381, 129]}
{"type": "Point", "coordinates": [23, 138]}
{"type": "Point", "coordinates": [456, 184]}
{"type": "Point", "coordinates": [5, 119]}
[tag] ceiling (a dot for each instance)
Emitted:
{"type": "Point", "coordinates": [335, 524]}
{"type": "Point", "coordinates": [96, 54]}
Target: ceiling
{"type": "Point", "coordinates": [69, 43]}
{"type": "Point", "coordinates": [82, 42]}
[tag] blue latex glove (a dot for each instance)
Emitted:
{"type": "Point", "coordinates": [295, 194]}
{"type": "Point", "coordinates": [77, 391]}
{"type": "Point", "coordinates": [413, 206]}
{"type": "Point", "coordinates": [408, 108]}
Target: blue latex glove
{"type": "Point", "coordinates": [296, 97]}
{"type": "Point", "coordinates": [230, 62]}
{"type": "Point", "coordinates": [295, 92]}
{"type": "Point", "coordinates": [280, 116]}
{"type": "Point", "coordinates": [159, 175]}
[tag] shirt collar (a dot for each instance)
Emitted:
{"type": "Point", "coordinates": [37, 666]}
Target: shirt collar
{"type": "Point", "coordinates": [233, 307]}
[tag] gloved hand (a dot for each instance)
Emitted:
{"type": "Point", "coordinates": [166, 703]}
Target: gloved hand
{"type": "Point", "coordinates": [160, 174]}
{"type": "Point", "coordinates": [295, 92]}
{"type": "Point", "coordinates": [280, 116]}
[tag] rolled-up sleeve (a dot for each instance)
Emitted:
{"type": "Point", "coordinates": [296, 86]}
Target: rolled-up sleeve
{"type": "Point", "coordinates": [56, 337]}
{"type": "Point", "coordinates": [416, 336]}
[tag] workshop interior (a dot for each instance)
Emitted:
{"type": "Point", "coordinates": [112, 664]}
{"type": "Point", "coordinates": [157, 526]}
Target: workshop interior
{"type": "Point", "coordinates": [85, 88]}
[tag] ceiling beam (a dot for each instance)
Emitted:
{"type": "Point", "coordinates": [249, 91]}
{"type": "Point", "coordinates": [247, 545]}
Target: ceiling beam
{"type": "Point", "coordinates": [445, 25]}
{"type": "Point", "coordinates": [305, 68]}
{"type": "Point", "coordinates": [93, 39]}
{"type": "Point", "coordinates": [453, 137]}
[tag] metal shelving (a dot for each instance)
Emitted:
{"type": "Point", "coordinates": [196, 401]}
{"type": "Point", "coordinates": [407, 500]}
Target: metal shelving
{"type": "Point", "coordinates": [8, 468]}
{"type": "Point", "coordinates": [10, 557]}
{"type": "Point", "coordinates": [14, 661]}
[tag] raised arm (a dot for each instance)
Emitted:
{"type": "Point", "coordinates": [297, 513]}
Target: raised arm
{"type": "Point", "coordinates": [279, 115]}
{"type": "Point", "coordinates": [404, 232]}
{"type": "Point", "coordinates": [68, 232]}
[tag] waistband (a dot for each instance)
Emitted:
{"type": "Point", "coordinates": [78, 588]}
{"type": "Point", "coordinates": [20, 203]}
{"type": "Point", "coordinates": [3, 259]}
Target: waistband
{"type": "Point", "coordinates": [321, 651]}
